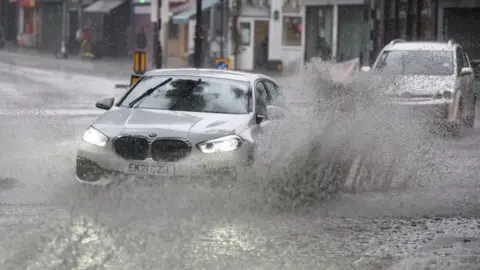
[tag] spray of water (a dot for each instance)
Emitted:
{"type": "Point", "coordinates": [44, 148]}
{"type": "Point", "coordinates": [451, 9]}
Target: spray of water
{"type": "Point", "coordinates": [348, 140]}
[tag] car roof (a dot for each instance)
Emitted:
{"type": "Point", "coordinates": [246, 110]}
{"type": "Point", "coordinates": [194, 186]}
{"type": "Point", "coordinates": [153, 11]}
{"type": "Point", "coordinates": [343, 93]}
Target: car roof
{"type": "Point", "coordinates": [212, 73]}
{"type": "Point", "coordinates": [421, 45]}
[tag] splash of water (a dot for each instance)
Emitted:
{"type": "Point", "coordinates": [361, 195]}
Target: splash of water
{"type": "Point", "coordinates": [348, 139]}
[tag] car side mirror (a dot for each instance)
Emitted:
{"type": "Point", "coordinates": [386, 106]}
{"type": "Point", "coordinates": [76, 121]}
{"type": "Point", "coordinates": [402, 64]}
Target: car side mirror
{"type": "Point", "coordinates": [275, 113]}
{"type": "Point", "coordinates": [105, 103]}
{"type": "Point", "coordinates": [259, 118]}
{"type": "Point", "coordinates": [466, 71]}
{"type": "Point", "coordinates": [365, 69]}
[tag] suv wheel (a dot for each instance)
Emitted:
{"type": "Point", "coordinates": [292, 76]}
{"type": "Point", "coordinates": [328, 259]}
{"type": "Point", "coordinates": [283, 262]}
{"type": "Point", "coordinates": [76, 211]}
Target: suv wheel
{"type": "Point", "coordinates": [453, 129]}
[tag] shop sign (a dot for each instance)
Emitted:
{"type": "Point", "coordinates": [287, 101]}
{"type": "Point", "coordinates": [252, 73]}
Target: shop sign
{"type": "Point", "coordinates": [27, 3]}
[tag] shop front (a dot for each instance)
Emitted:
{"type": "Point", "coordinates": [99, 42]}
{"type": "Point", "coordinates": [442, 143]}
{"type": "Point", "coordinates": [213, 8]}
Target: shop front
{"type": "Point", "coordinates": [338, 31]}
{"type": "Point", "coordinates": [460, 21]}
{"type": "Point", "coordinates": [271, 35]}
{"type": "Point", "coordinates": [51, 14]}
{"type": "Point", "coordinates": [108, 23]}
{"type": "Point", "coordinates": [9, 19]}
{"type": "Point", "coordinates": [29, 24]}
{"type": "Point", "coordinates": [410, 20]}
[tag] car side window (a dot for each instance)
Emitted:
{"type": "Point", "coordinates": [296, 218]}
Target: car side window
{"type": "Point", "coordinates": [272, 91]}
{"type": "Point", "coordinates": [261, 98]}
{"type": "Point", "coordinates": [464, 58]}
{"type": "Point", "coordinates": [460, 60]}
{"type": "Point", "coordinates": [467, 61]}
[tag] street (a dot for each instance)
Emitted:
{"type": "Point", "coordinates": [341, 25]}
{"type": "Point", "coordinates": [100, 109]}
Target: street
{"type": "Point", "coordinates": [46, 222]}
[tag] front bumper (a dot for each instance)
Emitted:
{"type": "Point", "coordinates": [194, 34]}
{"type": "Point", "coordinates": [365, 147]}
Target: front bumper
{"type": "Point", "coordinates": [438, 110]}
{"type": "Point", "coordinates": [101, 165]}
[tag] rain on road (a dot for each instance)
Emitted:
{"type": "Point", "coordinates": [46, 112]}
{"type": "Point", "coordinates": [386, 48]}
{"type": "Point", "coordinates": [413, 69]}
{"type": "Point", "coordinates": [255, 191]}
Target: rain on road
{"type": "Point", "coordinates": [46, 224]}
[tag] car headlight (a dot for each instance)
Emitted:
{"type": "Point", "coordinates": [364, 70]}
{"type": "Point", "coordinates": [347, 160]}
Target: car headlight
{"type": "Point", "coordinates": [95, 137]}
{"type": "Point", "coordinates": [223, 144]}
{"type": "Point", "coordinates": [445, 94]}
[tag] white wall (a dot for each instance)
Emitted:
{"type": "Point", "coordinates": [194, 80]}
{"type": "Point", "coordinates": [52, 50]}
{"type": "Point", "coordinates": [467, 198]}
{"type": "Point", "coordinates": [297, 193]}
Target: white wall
{"type": "Point", "coordinates": [291, 56]}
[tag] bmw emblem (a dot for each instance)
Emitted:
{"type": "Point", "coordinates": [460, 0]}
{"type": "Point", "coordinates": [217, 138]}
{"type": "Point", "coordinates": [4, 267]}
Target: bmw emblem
{"type": "Point", "coordinates": [152, 135]}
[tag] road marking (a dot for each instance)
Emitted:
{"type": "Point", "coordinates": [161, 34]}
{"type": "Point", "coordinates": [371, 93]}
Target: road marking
{"type": "Point", "coordinates": [50, 112]}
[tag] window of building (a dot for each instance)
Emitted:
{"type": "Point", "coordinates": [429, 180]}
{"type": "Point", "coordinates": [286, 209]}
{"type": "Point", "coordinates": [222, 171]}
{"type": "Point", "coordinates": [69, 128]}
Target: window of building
{"type": "Point", "coordinates": [318, 32]}
{"type": "Point", "coordinates": [291, 6]}
{"type": "Point", "coordinates": [292, 31]}
{"type": "Point", "coordinates": [173, 30]}
{"type": "Point", "coordinates": [245, 33]}
{"type": "Point", "coordinates": [427, 23]}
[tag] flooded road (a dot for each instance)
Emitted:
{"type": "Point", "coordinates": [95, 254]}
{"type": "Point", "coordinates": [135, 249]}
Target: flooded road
{"type": "Point", "coordinates": [48, 222]}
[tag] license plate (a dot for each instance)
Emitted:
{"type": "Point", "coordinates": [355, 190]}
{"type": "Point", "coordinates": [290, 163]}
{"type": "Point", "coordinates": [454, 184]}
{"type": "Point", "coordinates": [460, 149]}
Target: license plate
{"type": "Point", "coordinates": [150, 169]}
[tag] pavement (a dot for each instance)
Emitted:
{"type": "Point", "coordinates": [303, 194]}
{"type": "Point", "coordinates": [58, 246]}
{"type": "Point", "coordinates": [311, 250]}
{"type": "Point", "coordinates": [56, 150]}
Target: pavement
{"type": "Point", "coordinates": [106, 67]}
{"type": "Point", "coordinates": [47, 222]}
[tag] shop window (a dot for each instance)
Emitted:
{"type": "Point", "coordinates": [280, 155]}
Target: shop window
{"type": "Point", "coordinates": [245, 33]}
{"type": "Point", "coordinates": [292, 31]}
{"type": "Point", "coordinates": [291, 6]}
{"type": "Point", "coordinates": [352, 33]}
{"type": "Point", "coordinates": [402, 27]}
{"type": "Point", "coordinates": [28, 17]}
{"type": "Point", "coordinates": [318, 32]}
{"type": "Point", "coordinates": [173, 30]}
{"type": "Point", "coordinates": [427, 24]}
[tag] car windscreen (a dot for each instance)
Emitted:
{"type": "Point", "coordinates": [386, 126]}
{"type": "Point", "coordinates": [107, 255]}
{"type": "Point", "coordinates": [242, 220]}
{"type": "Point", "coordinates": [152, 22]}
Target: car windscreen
{"type": "Point", "coordinates": [421, 62]}
{"type": "Point", "coordinates": [211, 95]}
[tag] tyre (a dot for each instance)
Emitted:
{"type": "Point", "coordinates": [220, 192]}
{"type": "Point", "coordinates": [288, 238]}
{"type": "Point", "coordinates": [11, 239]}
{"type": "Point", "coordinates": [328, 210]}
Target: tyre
{"type": "Point", "coordinates": [453, 129]}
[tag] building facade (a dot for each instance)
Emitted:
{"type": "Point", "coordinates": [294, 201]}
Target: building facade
{"type": "Point", "coordinates": [298, 30]}
{"type": "Point", "coordinates": [427, 20]}
{"type": "Point", "coordinates": [337, 30]}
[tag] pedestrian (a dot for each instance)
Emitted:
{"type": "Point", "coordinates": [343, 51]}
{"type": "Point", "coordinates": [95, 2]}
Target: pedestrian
{"type": "Point", "coordinates": [86, 42]}
{"type": "Point", "coordinates": [264, 49]}
{"type": "Point", "coordinates": [141, 39]}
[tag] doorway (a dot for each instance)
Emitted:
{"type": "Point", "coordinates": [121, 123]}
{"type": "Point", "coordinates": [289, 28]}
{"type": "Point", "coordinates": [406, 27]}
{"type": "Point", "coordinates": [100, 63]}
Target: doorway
{"type": "Point", "coordinates": [461, 25]}
{"type": "Point", "coordinates": [353, 29]}
{"type": "Point", "coordinates": [260, 49]}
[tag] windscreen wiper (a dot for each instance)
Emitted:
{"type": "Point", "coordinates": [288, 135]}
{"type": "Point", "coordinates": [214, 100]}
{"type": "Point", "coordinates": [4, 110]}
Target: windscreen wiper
{"type": "Point", "coordinates": [148, 92]}
{"type": "Point", "coordinates": [186, 93]}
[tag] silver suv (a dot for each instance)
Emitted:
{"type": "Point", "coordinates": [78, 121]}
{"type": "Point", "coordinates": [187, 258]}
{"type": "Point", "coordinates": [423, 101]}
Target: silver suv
{"type": "Point", "coordinates": [430, 75]}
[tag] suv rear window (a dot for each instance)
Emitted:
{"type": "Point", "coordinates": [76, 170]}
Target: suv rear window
{"type": "Point", "coordinates": [415, 62]}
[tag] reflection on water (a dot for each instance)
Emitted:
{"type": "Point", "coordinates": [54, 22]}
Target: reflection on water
{"type": "Point", "coordinates": [83, 245]}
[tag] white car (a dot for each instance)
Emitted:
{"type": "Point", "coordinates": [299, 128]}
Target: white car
{"type": "Point", "coordinates": [179, 122]}
{"type": "Point", "coordinates": [434, 76]}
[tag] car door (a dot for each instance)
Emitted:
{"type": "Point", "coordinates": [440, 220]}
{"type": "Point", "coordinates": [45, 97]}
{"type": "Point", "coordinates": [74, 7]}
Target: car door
{"type": "Point", "coordinates": [276, 96]}
{"type": "Point", "coordinates": [262, 100]}
{"type": "Point", "coordinates": [276, 99]}
{"type": "Point", "coordinates": [466, 81]}
{"type": "Point", "coordinates": [470, 79]}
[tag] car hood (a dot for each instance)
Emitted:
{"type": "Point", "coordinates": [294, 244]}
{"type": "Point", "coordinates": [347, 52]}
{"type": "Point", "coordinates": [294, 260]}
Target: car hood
{"type": "Point", "coordinates": [419, 85]}
{"type": "Point", "coordinates": [191, 125]}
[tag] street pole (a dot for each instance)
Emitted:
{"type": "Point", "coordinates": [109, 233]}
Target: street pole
{"type": "Point", "coordinates": [80, 18]}
{"type": "Point", "coordinates": [63, 44]}
{"type": "Point", "coordinates": [164, 20]}
{"type": "Point", "coordinates": [132, 27]}
{"type": "Point", "coordinates": [157, 47]}
{"type": "Point", "coordinates": [222, 23]}
{"type": "Point", "coordinates": [198, 36]}
{"type": "Point", "coordinates": [236, 6]}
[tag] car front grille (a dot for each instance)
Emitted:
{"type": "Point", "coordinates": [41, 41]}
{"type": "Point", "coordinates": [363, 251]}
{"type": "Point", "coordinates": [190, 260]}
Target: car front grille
{"type": "Point", "coordinates": [170, 150]}
{"type": "Point", "coordinates": [131, 147]}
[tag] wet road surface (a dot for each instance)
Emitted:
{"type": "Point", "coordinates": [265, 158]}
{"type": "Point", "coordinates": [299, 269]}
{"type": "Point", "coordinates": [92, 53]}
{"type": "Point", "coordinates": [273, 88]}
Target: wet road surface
{"type": "Point", "coordinates": [47, 222]}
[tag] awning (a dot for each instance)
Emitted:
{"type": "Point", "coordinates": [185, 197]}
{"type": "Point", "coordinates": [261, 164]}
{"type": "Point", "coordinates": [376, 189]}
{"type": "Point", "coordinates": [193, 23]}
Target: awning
{"type": "Point", "coordinates": [330, 2]}
{"type": "Point", "coordinates": [184, 17]}
{"type": "Point", "coordinates": [104, 6]}
{"type": "Point", "coordinates": [85, 3]}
